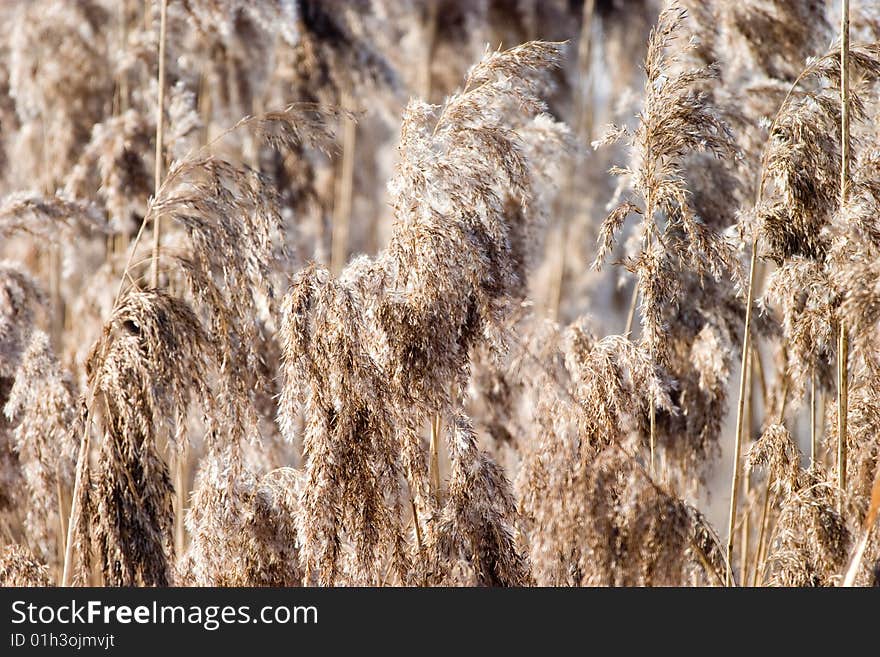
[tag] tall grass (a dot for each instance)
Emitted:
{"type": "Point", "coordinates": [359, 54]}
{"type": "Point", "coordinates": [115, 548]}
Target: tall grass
{"type": "Point", "coordinates": [299, 293]}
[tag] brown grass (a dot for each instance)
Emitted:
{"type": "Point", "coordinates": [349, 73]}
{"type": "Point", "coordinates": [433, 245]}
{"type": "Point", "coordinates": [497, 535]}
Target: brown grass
{"type": "Point", "coordinates": [300, 293]}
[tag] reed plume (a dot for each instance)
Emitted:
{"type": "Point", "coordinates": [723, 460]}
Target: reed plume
{"type": "Point", "coordinates": [19, 568]}
{"type": "Point", "coordinates": [812, 539]}
{"type": "Point", "coordinates": [448, 268]}
{"type": "Point", "coordinates": [672, 242]}
{"type": "Point", "coordinates": [40, 407]}
{"type": "Point", "coordinates": [297, 292]}
{"type": "Point", "coordinates": [151, 361]}
{"type": "Point", "coordinates": [473, 542]}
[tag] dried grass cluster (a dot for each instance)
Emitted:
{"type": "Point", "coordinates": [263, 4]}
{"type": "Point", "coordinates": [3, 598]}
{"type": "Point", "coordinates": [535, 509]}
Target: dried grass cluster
{"type": "Point", "coordinates": [300, 293]}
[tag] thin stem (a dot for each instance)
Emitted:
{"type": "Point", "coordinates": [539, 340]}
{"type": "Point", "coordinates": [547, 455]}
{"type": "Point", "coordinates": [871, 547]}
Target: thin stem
{"type": "Point", "coordinates": [745, 530]}
{"type": "Point", "coordinates": [653, 431]}
{"type": "Point", "coordinates": [773, 532]}
{"type": "Point", "coordinates": [559, 249]}
{"type": "Point", "coordinates": [744, 552]}
{"type": "Point", "coordinates": [53, 257]}
{"type": "Point", "coordinates": [181, 472]}
{"type": "Point", "coordinates": [760, 550]}
{"type": "Point", "coordinates": [786, 386]}
{"type": "Point", "coordinates": [344, 191]}
{"type": "Point", "coordinates": [583, 129]}
{"type": "Point", "coordinates": [631, 315]}
{"type": "Point", "coordinates": [122, 80]}
{"type": "Point", "coordinates": [821, 412]}
{"type": "Point", "coordinates": [740, 412]}
{"type": "Point", "coordinates": [842, 403]}
{"type": "Point", "coordinates": [418, 528]}
{"type": "Point", "coordinates": [813, 437]}
{"type": "Point", "coordinates": [649, 243]}
{"type": "Point", "coordinates": [62, 526]}
{"type": "Point", "coordinates": [759, 370]}
{"type": "Point", "coordinates": [415, 515]}
{"type": "Point", "coordinates": [873, 511]}
{"type": "Point", "coordinates": [435, 456]}
{"type": "Point", "coordinates": [747, 329]}
{"type": "Point", "coordinates": [855, 563]}
{"type": "Point", "coordinates": [160, 128]}
{"type": "Point", "coordinates": [843, 335]}
{"type": "Point", "coordinates": [584, 108]}
{"type": "Point", "coordinates": [204, 107]}
{"type": "Point", "coordinates": [429, 29]}
{"type": "Point", "coordinates": [81, 465]}
{"type": "Point", "coordinates": [844, 101]}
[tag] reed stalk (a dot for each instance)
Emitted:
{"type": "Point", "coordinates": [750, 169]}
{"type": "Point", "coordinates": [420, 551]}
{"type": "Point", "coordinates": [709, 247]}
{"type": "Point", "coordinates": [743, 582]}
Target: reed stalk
{"type": "Point", "coordinates": [843, 336]}
{"type": "Point", "coordinates": [160, 135]}
{"type": "Point", "coordinates": [740, 418]}
{"type": "Point", "coordinates": [814, 449]}
{"type": "Point", "coordinates": [344, 191]}
{"type": "Point", "coordinates": [75, 511]}
{"type": "Point", "coordinates": [583, 130]}
{"type": "Point", "coordinates": [434, 448]}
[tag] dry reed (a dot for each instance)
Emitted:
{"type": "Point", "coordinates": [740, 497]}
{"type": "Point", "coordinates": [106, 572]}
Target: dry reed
{"type": "Point", "coordinates": [240, 349]}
